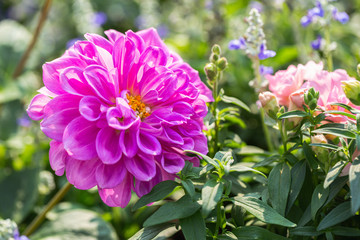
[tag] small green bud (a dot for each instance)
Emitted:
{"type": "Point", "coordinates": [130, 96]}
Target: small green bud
{"type": "Point", "coordinates": [269, 103]}
{"type": "Point", "coordinates": [352, 90]}
{"type": "Point", "coordinates": [222, 63]}
{"type": "Point", "coordinates": [216, 49]}
{"type": "Point", "coordinates": [214, 57]}
{"type": "Point", "coordinates": [210, 71]}
{"type": "Point", "coordinates": [311, 98]}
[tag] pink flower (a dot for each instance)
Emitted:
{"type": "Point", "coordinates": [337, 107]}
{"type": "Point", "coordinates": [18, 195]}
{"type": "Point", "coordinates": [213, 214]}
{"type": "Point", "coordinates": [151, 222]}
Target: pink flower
{"type": "Point", "coordinates": [120, 113]}
{"type": "Point", "coordinates": [285, 82]}
{"type": "Point", "coordinates": [297, 99]}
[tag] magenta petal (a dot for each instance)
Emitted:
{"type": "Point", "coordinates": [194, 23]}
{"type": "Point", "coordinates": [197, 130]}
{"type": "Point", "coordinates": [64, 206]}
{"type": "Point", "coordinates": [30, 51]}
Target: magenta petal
{"type": "Point", "coordinates": [200, 144]}
{"type": "Point", "coordinates": [191, 128]}
{"type": "Point", "coordinates": [153, 56]}
{"type": "Point", "coordinates": [172, 136]}
{"type": "Point", "coordinates": [73, 81]}
{"type": "Point", "coordinates": [79, 139]}
{"type": "Point", "coordinates": [141, 166]}
{"type": "Point", "coordinates": [148, 143]}
{"type": "Point", "coordinates": [172, 163]}
{"type": "Point", "coordinates": [109, 176]}
{"type": "Point", "coordinates": [118, 196]}
{"type": "Point", "coordinates": [36, 107]}
{"type": "Point", "coordinates": [183, 108]}
{"type": "Point", "coordinates": [99, 80]}
{"type": "Point", "coordinates": [113, 35]}
{"type": "Point", "coordinates": [98, 40]}
{"type": "Point", "coordinates": [57, 157]}
{"type": "Point", "coordinates": [90, 108]}
{"type": "Point", "coordinates": [59, 112]}
{"type": "Point", "coordinates": [128, 142]}
{"type": "Point", "coordinates": [142, 188]}
{"type": "Point", "coordinates": [108, 145]}
{"type": "Point", "coordinates": [152, 38]}
{"type": "Point", "coordinates": [81, 174]}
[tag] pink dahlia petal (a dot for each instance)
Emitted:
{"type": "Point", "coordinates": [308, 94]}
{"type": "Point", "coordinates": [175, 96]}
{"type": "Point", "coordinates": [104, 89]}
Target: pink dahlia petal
{"type": "Point", "coordinates": [81, 174]}
{"type": "Point", "coordinates": [121, 117]}
{"type": "Point", "coordinates": [98, 40]}
{"type": "Point", "coordinates": [200, 144]}
{"type": "Point", "coordinates": [90, 108]}
{"type": "Point", "coordinates": [139, 42]}
{"type": "Point", "coordinates": [36, 107]}
{"type": "Point", "coordinates": [73, 81]}
{"type": "Point", "coordinates": [108, 146]}
{"type": "Point", "coordinates": [144, 187]}
{"type": "Point", "coordinates": [128, 143]}
{"type": "Point", "coordinates": [173, 136]}
{"type": "Point", "coordinates": [119, 195]}
{"type": "Point", "coordinates": [191, 128]}
{"type": "Point", "coordinates": [59, 112]}
{"type": "Point", "coordinates": [113, 35]}
{"type": "Point", "coordinates": [79, 139]}
{"type": "Point", "coordinates": [57, 157]}
{"type": "Point", "coordinates": [152, 38]}
{"type": "Point", "coordinates": [172, 162]}
{"type": "Point", "coordinates": [141, 166]}
{"type": "Point", "coordinates": [110, 176]}
{"type": "Point", "coordinates": [148, 143]}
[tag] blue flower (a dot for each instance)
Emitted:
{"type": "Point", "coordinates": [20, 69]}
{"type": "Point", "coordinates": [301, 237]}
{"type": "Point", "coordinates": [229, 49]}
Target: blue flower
{"type": "Point", "coordinates": [342, 17]}
{"type": "Point", "coordinates": [237, 44]}
{"type": "Point", "coordinates": [264, 53]}
{"type": "Point", "coordinates": [99, 19]}
{"type": "Point", "coordinates": [305, 21]}
{"type": "Point", "coordinates": [24, 121]}
{"type": "Point", "coordinates": [264, 70]}
{"type": "Point", "coordinates": [316, 44]}
{"type": "Point", "coordinates": [317, 11]}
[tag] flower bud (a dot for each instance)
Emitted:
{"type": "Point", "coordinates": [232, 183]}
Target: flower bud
{"type": "Point", "coordinates": [311, 98]}
{"type": "Point", "coordinates": [210, 71]}
{"type": "Point", "coordinates": [296, 103]}
{"type": "Point", "coordinates": [270, 103]}
{"type": "Point", "coordinates": [352, 90]}
{"type": "Point", "coordinates": [216, 49]}
{"type": "Point", "coordinates": [214, 57]}
{"type": "Point", "coordinates": [222, 63]}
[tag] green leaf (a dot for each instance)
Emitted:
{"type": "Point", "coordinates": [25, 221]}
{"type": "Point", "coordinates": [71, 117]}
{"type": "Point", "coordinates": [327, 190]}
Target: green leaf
{"type": "Point", "coordinates": [309, 155]}
{"type": "Point", "coordinates": [254, 232]}
{"type": "Point", "coordinates": [309, 231]}
{"type": "Point", "coordinates": [189, 187]}
{"type": "Point", "coordinates": [158, 192]}
{"type": "Point", "coordinates": [235, 101]}
{"type": "Point", "coordinates": [335, 112]}
{"type": "Point", "coordinates": [339, 214]}
{"type": "Point", "coordinates": [193, 227]}
{"type": "Point", "coordinates": [69, 222]}
{"type": "Point", "coordinates": [291, 114]}
{"type": "Point", "coordinates": [18, 192]}
{"type": "Point", "coordinates": [335, 187]}
{"type": "Point", "coordinates": [235, 120]}
{"type": "Point", "coordinates": [279, 186]}
{"type": "Point", "coordinates": [211, 195]}
{"type": "Point", "coordinates": [149, 233]}
{"type": "Point", "coordinates": [298, 173]}
{"type": "Point", "coordinates": [182, 208]}
{"type": "Point", "coordinates": [306, 217]}
{"type": "Point", "coordinates": [354, 178]}
{"type": "Point", "coordinates": [238, 167]}
{"type": "Point", "coordinates": [318, 199]}
{"type": "Point", "coordinates": [325, 145]}
{"type": "Point", "coordinates": [329, 236]}
{"type": "Point", "coordinates": [263, 211]}
{"type": "Point", "coordinates": [206, 158]}
{"type": "Point", "coordinates": [267, 161]}
{"type": "Point", "coordinates": [337, 132]}
{"type": "Point", "coordinates": [333, 173]}
{"type": "Point", "coordinates": [345, 231]}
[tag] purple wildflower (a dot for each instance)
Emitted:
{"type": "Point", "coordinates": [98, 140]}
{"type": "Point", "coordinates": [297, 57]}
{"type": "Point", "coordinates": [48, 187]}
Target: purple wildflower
{"type": "Point", "coordinates": [305, 21]}
{"type": "Point", "coordinates": [317, 11]}
{"type": "Point", "coordinates": [120, 113]}
{"type": "Point", "coordinates": [163, 30]}
{"type": "Point", "coordinates": [264, 53]}
{"type": "Point", "coordinates": [237, 44]}
{"type": "Point", "coordinates": [316, 44]}
{"type": "Point", "coordinates": [257, 5]}
{"type": "Point", "coordinates": [341, 17]}
{"type": "Point", "coordinates": [24, 121]}
{"type": "Point", "coordinates": [264, 70]}
{"type": "Point", "coordinates": [18, 237]}
{"type": "Point", "coordinates": [99, 18]}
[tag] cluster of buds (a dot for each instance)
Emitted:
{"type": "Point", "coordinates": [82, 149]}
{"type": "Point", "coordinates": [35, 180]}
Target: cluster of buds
{"type": "Point", "coordinates": [216, 64]}
{"type": "Point", "coordinates": [311, 98]}
{"type": "Point", "coordinates": [270, 104]}
{"type": "Point", "coordinates": [9, 231]}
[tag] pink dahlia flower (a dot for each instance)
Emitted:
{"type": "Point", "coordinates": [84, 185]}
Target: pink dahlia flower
{"type": "Point", "coordinates": [120, 112]}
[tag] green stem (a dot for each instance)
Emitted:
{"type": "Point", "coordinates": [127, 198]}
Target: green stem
{"type": "Point", "coordinates": [329, 59]}
{"type": "Point", "coordinates": [283, 134]}
{"type": "Point", "coordinates": [214, 112]}
{"type": "Point", "coordinates": [40, 218]}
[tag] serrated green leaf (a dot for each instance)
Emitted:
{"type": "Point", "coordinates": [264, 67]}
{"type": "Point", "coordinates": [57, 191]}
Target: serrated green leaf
{"type": "Point", "coordinates": [193, 227]}
{"type": "Point", "coordinates": [279, 186]}
{"type": "Point", "coordinates": [159, 191]}
{"type": "Point", "coordinates": [235, 101]}
{"type": "Point", "coordinates": [318, 199]}
{"type": "Point", "coordinates": [254, 232]}
{"type": "Point", "coordinates": [291, 114]}
{"type": "Point", "coordinates": [149, 233]}
{"type": "Point", "coordinates": [298, 173]}
{"type": "Point", "coordinates": [308, 231]}
{"type": "Point", "coordinates": [333, 173]}
{"type": "Point", "coordinates": [336, 132]}
{"type": "Point", "coordinates": [238, 167]}
{"type": "Point", "coordinates": [345, 231]}
{"type": "Point", "coordinates": [263, 211]}
{"type": "Point", "coordinates": [182, 208]}
{"type": "Point", "coordinates": [339, 214]}
{"type": "Point", "coordinates": [211, 195]}
{"type": "Point", "coordinates": [354, 179]}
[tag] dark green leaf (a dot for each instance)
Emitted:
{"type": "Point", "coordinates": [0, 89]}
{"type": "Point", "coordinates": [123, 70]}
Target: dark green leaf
{"type": "Point", "coordinates": [354, 178]}
{"type": "Point", "coordinates": [335, 187]}
{"type": "Point", "coordinates": [318, 199]}
{"type": "Point", "coordinates": [339, 214]}
{"type": "Point", "coordinates": [306, 217]}
{"type": "Point", "coordinates": [238, 214]}
{"type": "Point", "coordinates": [309, 155]}
{"type": "Point", "coordinates": [193, 227]}
{"type": "Point", "coordinates": [206, 158]}
{"type": "Point", "coordinates": [309, 231]}
{"type": "Point", "coordinates": [238, 167]}
{"type": "Point", "coordinates": [235, 101]}
{"type": "Point", "coordinates": [211, 195]}
{"type": "Point", "coordinates": [349, 115]}
{"type": "Point", "coordinates": [291, 114]}
{"type": "Point", "coordinates": [298, 172]}
{"type": "Point", "coordinates": [182, 208]}
{"type": "Point", "coordinates": [279, 186]}
{"type": "Point", "coordinates": [254, 232]}
{"type": "Point", "coordinates": [325, 145]}
{"type": "Point", "coordinates": [345, 231]}
{"type": "Point", "coordinates": [336, 132]}
{"type": "Point", "coordinates": [263, 211]}
{"type": "Point", "coordinates": [158, 192]}
{"type": "Point", "coordinates": [267, 161]}
{"type": "Point", "coordinates": [189, 187]}
{"type": "Point", "coordinates": [149, 233]}
{"type": "Point", "coordinates": [18, 193]}
{"type": "Point", "coordinates": [333, 173]}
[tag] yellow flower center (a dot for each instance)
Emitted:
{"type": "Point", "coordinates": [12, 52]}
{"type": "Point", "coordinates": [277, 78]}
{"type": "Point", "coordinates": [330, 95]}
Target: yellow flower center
{"type": "Point", "coordinates": [138, 106]}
